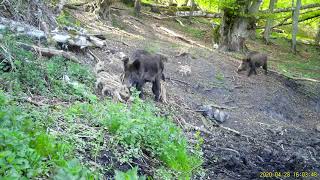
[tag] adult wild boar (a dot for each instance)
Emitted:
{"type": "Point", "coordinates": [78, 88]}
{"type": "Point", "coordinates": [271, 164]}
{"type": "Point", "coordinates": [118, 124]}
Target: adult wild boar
{"type": "Point", "coordinates": [144, 67]}
{"type": "Point", "coordinates": [252, 61]}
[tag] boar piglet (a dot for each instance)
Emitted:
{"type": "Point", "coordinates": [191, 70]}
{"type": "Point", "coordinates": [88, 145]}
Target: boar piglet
{"type": "Point", "coordinates": [252, 61]}
{"type": "Point", "coordinates": [145, 67]}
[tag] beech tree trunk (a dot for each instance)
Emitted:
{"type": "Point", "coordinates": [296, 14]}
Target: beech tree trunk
{"type": "Point", "coordinates": [191, 10]}
{"type": "Point", "coordinates": [269, 22]}
{"type": "Point", "coordinates": [295, 21]}
{"type": "Point", "coordinates": [236, 28]}
{"type": "Point", "coordinates": [317, 39]}
{"type": "Point", "coordinates": [103, 8]}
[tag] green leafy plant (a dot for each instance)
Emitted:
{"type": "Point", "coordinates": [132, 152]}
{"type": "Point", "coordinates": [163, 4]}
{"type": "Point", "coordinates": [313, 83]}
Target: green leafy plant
{"type": "Point", "coordinates": [55, 77]}
{"type": "Point", "coordinates": [65, 19]}
{"type": "Point", "coordinates": [131, 174]}
{"type": "Point", "coordinates": [27, 151]}
{"type": "Point", "coordinates": [137, 128]}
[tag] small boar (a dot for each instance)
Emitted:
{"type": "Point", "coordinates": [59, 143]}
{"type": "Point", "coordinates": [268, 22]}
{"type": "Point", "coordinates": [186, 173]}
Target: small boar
{"type": "Point", "coordinates": [145, 67]}
{"type": "Point", "coordinates": [252, 61]}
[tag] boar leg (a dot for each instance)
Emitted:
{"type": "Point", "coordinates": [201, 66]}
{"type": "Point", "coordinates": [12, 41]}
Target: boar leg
{"type": "Point", "coordinates": [140, 88]}
{"type": "Point", "coordinates": [156, 89]}
{"type": "Point", "coordinates": [265, 68]}
{"type": "Point", "coordinates": [252, 69]}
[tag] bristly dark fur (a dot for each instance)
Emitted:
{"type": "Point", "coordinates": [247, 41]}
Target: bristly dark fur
{"type": "Point", "coordinates": [252, 61]}
{"type": "Point", "coordinates": [145, 67]}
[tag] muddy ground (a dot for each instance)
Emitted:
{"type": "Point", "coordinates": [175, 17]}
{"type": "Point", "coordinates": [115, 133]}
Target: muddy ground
{"type": "Point", "coordinates": [272, 118]}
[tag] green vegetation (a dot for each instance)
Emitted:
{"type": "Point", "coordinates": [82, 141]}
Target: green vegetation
{"type": "Point", "coordinates": [65, 19]}
{"type": "Point", "coordinates": [28, 151]}
{"type": "Point", "coordinates": [54, 77]}
{"type": "Point", "coordinates": [131, 174]}
{"type": "Point", "coordinates": [137, 129]}
{"type": "Point", "coordinates": [304, 64]}
{"type": "Point", "coordinates": [53, 139]}
{"type": "Point", "coordinates": [119, 24]}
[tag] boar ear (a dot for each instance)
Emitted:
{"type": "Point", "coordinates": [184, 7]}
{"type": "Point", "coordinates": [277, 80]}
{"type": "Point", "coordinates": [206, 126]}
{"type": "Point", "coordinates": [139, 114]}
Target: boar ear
{"type": "Point", "coordinates": [136, 65]}
{"type": "Point", "coordinates": [246, 60]}
{"type": "Point", "coordinates": [164, 58]}
{"type": "Point", "coordinates": [125, 61]}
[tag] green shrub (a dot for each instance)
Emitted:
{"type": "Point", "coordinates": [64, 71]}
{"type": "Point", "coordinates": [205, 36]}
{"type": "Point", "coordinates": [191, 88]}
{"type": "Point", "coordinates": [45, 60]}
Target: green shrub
{"type": "Point", "coordinates": [54, 77]}
{"type": "Point", "coordinates": [131, 174]}
{"type": "Point", "coordinates": [27, 151]}
{"type": "Point", "coordinates": [137, 128]}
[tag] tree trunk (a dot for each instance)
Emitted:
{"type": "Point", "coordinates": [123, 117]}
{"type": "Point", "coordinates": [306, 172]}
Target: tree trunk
{"type": "Point", "coordinates": [235, 28]}
{"type": "Point", "coordinates": [295, 22]}
{"type": "Point", "coordinates": [191, 10]}
{"type": "Point", "coordinates": [137, 7]}
{"type": "Point", "coordinates": [103, 8]}
{"type": "Point", "coordinates": [317, 39]}
{"type": "Point", "coordinates": [269, 22]}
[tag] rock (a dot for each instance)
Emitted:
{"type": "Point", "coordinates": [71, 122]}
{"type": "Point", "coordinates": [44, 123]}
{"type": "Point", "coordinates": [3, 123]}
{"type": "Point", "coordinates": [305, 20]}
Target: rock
{"type": "Point", "coordinates": [220, 116]}
{"type": "Point", "coordinates": [206, 111]}
{"type": "Point", "coordinates": [318, 128]}
{"type": "Point", "coordinates": [184, 70]}
{"type": "Point", "coordinates": [212, 113]}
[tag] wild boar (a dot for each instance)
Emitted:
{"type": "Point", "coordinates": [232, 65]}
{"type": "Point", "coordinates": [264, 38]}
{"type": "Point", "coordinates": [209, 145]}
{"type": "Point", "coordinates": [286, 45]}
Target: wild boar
{"type": "Point", "coordinates": [252, 61]}
{"type": "Point", "coordinates": [145, 67]}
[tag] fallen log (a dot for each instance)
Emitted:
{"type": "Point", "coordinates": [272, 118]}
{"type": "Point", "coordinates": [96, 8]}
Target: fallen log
{"type": "Point", "coordinates": [178, 36]}
{"type": "Point", "coordinates": [69, 36]}
{"type": "Point", "coordinates": [49, 52]}
{"type": "Point", "coordinates": [198, 14]}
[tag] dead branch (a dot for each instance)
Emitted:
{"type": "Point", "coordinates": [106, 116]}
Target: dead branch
{"type": "Point", "coordinates": [29, 100]}
{"type": "Point", "coordinates": [95, 57]}
{"type": "Point", "coordinates": [178, 36]}
{"type": "Point", "coordinates": [295, 78]}
{"type": "Point", "coordinates": [221, 107]}
{"type": "Point", "coordinates": [227, 149]}
{"type": "Point", "coordinates": [180, 22]}
{"type": "Point", "coordinates": [49, 52]}
{"type": "Point", "coordinates": [193, 127]}
{"type": "Point", "coordinates": [198, 14]}
{"type": "Point", "coordinates": [157, 16]}
{"type": "Point", "coordinates": [181, 81]}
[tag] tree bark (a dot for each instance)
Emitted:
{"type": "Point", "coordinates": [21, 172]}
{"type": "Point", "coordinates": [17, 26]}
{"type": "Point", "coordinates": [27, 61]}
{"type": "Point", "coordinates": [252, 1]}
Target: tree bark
{"type": "Point", "coordinates": [295, 22]}
{"type": "Point", "coordinates": [317, 39]}
{"type": "Point", "coordinates": [235, 27]}
{"type": "Point", "coordinates": [269, 22]}
{"type": "Point", "coordinates": [191, 11]}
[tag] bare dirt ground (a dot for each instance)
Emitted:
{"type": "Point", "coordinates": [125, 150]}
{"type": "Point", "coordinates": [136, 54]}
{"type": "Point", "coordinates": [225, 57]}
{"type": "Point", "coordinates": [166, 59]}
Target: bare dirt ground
{"type": "Point", "coordinates": [272, 119]}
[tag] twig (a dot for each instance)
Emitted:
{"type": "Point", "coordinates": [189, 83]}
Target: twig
{"type": "Point", "coordinates": [295, 78]}
{"type": "Point", "coordinates": [92, 54]}
{"type": "Point", "coordinates": [222, 107]}
{"type": "Point", "coordinates": [227, 149]}
{"type": "Point", "coordinates": [34, 102]}
{"type": "Point", "coordinates": [179, 22]}
{"type": "Point", "coordinates": [50, 52]}
{"type": "Point", "coordinates": [173, 79]}
{"type": "Point", "coordinates": [193, 127]}
{"type": "Point", "coordinates": [178, 36]}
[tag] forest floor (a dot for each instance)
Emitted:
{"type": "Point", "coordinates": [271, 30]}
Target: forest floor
{"type": "Point", "coordinates": [273, 119]}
